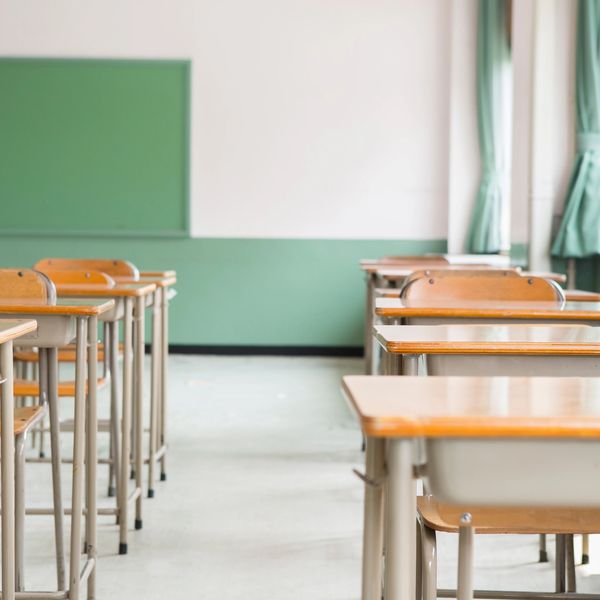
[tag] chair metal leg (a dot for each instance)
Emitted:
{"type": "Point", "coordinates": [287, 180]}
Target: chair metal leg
{"type": "Point", "coordinates": [560, 585]}
{"type": "Point", "coordinates": [585, 549]}
{"type": "Point", "coordinates": [570, 563]}
{"type": "Point", "coordinates": [465, 559]}
{"type": "Point", "coordinates": [428, 562]}
{"type": "Point", "coordinates": [419, 565]}
{"type": "Point", "coordinates": [543, 549]}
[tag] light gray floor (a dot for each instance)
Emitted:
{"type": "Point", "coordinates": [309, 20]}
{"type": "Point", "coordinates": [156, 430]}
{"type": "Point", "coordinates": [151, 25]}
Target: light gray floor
{"type": "Point", "coordinates": [261, 502]}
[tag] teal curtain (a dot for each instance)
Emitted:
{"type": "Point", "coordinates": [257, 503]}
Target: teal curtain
{"type": "Point", "coordinates": [579, 232]}
{"type": "Point", "coordinates": [493, 56]}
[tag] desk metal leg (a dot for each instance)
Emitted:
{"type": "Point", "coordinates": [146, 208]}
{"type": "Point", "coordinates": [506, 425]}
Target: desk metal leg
{"type": "Point", "coordinates": [373, 519]}
{"type": "Point", "coordinates": [7, 443]}
{"type": "Point", "coordinates": [113, 337]}
{"type": "Point", "coordinates": [78, 460]}
{"type": "Point", "coordinates": [48, 370]}
{"type": "Point", "coordinates": [126, 426]}
{"type": "Point", "coordinates": [164, 356]}
{"type": "Point", "coordinates": [20, 512]}
{"type": "Point", "coordinates": [368, 351]}
{"type": "Point", "coordinates": [92, 453]}
{"type": "Point", "coordinates": [154, 390]}
{"type": "Point", "coordinates": [401, 510]}
{"type": "Point", "coordinates": [140, 307]}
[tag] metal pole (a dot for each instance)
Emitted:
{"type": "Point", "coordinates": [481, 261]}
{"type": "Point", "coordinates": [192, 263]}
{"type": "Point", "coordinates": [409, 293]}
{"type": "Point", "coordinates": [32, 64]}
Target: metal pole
{"type": "Point", "coordinates": [465, 559]}
{"type": "Point", "coordinates": [138, 399]}
{"type": "Point", "coordinates": [164, 355]}
{"type": "Point", "coordinates": [78, 460]}
{"type": "Point", "coordinates": [373, 519]}
{"type": "Point", "coordinates": [126, 426]}
{"type": "Point", "coordinates": [92, 453]}
{"type": "Point", "coordinates": [400, 521]}
{"type": "Point", "coordinates": [7, 443]}
{"type": "Point", "coordinates": [48, 370]}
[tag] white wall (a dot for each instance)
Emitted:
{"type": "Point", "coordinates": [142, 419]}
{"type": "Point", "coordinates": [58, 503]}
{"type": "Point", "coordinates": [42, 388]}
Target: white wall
{"type": "Point", "coordinates": [310, 118]}
{"type": "Point", "coordinates": [463, 148]}
{"type": "Point", "coordinates": [544, 119]}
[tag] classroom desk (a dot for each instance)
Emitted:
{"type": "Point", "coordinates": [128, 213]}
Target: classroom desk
{"type": "Point", "coordinates": [130, 302]}
{"type": "Point", "coordinates": [164, 280]}
{"type": "Point", "coordinates": [58, 325]}
{"type": "Point", "coordinates": [539, 426]}
{"type": "Point", "coordinates": [446, 310]}
{"type": "Point", "coordinates": [10, 330]}
{"type": "Point", "coordinates": [515, 349]}
{"type": "Point", "coordinates": [582, 296]}
{"type": "Point", "coordinates": [384, 274]}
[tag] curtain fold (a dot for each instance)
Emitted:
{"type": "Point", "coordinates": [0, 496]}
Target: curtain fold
{"type": "Point", "coordinates": [579, 232]}
{"type": "Point", "coordinates": [493, 56]}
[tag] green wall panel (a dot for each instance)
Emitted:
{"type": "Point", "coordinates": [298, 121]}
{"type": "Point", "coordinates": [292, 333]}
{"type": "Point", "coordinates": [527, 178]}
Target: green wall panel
{"type": "Point", "coordinates": [97, 145]}
{"type": "Point", "coordinates": [244, 291]}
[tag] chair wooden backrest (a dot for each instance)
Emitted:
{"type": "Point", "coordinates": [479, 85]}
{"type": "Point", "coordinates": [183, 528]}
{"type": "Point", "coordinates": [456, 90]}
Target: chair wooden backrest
{"type": "Point", "coordinates": [462, 272]}
{"type": "Point", "coordinates": [116, 268]}
{"type": "Point", "coordinates": [80, 277]}
{"type": "Point", "coordinates": [26, 286]}
{"type": "Point", "coordinates": [483, 287]}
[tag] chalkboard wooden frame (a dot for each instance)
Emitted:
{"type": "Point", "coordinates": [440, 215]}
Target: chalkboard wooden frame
{"type": "Point", "coordinates": [183, 214]}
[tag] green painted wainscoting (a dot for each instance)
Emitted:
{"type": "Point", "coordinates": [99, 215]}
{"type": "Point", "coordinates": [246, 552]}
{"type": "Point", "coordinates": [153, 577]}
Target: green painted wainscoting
{"type": "Point", "coordinates": [244, 292]}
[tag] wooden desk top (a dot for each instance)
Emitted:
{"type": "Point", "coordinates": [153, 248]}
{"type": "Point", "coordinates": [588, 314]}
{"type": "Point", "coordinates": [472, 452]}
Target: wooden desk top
{"type": "Point", "coordinates": [120, 290]}
{"type": "Point", "coordinates": [565, 407]}
{"type": "Point", "coordinates": [582, 296]}
{"type": "Point", "coordinates": [161, 282]}
{"type": "Point", "coordinates": [544, 340]}
{"type": "Point", "coordinates": [64, 307]}
{"type": "Point", "coordinates": [576, 311]}
{"type": "Point", "coordinates": [162, 279]}
{"type": "Point", "coordinates": [161, 274]}
{"type": "Point", "coordinates": [11, 329]}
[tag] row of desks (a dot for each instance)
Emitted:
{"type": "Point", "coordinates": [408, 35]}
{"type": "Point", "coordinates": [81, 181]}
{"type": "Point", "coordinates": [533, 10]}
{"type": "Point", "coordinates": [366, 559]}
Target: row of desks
{"type": "Point", "coordinates": [75, 316]}
{"type": "Point", "coordinates": [396, 411]}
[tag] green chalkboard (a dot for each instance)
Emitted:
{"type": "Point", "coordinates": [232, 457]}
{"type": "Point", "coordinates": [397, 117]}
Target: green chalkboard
{"type": "Point", "coordinates": [98, 147]}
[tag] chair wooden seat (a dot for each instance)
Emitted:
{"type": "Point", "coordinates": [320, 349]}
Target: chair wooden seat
{"type": "Point", "coordinates": [66, 354]}
{"type": "Point", "coordinates": [506, 520]}
{"type": "Point", "coordinates": [66, 389]}
{"type": "Point", "coordinates": [25, 417]}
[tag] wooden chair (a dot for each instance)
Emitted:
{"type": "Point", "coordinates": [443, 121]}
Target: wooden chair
{"type": "Point", "coordinates": [65, 278]}
{"type": "Point", "coordinates": [482, 286]}
{"type": "Point", "coordinates": [434, 516]}
{"type": "Point", "coordinates": [26, 286]}
{"type": "Point", "coordinates": [460, 272]}
{"type": "Point", "coordinates": [79, 276]}
{"type": "Point", "coordinates": [115, 268]}
{"type": "Point", "coordinates": [26, 387]}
